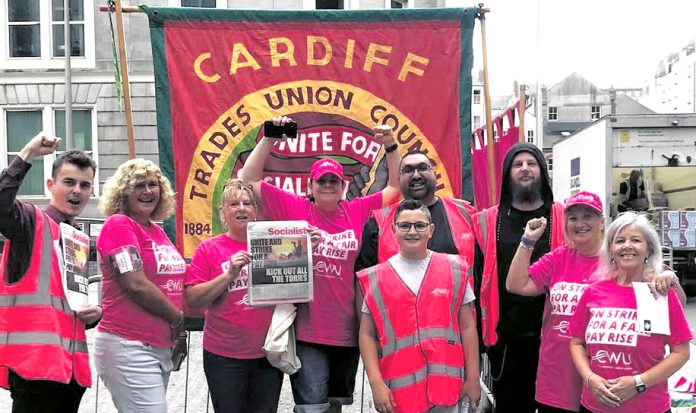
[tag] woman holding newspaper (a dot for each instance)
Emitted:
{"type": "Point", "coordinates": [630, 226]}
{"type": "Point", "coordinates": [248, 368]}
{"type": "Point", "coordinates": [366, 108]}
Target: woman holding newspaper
{"type": "Point", "coordinates": [620, 359]}
{"type": "Point", "coordinates": [239, 377]}
{"type": "Point", "coordinates": [563, 274]}
{"type": "Point", "coordinates": [142, 289]}
{"type": "Point", "coordinates": [327, 327]}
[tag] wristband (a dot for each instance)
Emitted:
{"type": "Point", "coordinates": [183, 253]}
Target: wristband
{"type": "Point", "coordinates": [529, 243]}
{"type": "Point", "coordinates": [391, 148]}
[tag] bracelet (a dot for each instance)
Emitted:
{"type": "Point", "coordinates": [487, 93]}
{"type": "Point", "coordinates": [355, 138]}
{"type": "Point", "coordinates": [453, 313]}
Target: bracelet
{"type": "Point", "coordinates": [527, 242]}
{"type": "Point", "coordinates": [527, 247]}
{"type": "Point", "coordinates": [674, 282]}
{"type": "Point", "coordinates": [587, 379]}
{"type": "Point", "coordinates": [391, 148]}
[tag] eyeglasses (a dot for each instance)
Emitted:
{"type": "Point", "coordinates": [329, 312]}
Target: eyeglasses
{"type": "Point", "coordinates": [410, 170]}
{"type": "Point", "coordinates": [406, 226]}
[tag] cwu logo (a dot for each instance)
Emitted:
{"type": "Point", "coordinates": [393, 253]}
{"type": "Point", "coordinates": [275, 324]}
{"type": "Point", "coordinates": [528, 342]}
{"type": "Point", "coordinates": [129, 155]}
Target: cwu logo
{"type": "Point", "coordinates": [610, 357]}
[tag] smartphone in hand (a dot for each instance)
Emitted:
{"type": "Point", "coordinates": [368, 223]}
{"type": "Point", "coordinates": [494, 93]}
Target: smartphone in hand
{"type": "Point", "coordinates": [276, 131]}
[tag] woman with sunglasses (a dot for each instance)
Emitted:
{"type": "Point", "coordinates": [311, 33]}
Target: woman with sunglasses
{"type": "Point", "coordinates": [326, 328]}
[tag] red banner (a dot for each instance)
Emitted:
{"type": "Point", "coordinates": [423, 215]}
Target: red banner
{"type": "Point", "coordinates": [219, 79]}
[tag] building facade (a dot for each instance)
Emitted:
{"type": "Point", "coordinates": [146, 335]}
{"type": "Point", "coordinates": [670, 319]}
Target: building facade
{"type": "Point", "coordinates": [674, 86]}
{"type": "Point", "coordinates": [32, 81]}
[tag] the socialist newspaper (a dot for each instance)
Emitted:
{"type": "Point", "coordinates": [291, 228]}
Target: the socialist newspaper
{"type": "Point", "coordinates": [74, 265]}
{"type": "Point", "coordinates": [281, 264]}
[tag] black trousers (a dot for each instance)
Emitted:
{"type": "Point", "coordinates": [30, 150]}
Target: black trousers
{"type": "Point", "coordinates": [584, 409]}
{"type": "Point", "coordinates": [514, 368]}
{"type": "Point", "coordinates": [42, 396]}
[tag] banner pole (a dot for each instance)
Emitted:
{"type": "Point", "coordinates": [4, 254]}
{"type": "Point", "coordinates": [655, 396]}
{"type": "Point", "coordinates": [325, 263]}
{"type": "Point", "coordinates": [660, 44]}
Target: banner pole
{"type": "Point", "coordinates": [492, 192]}
{"type": "Point", "coordinates": [124, 79]}
{"type": "Point", "coordinates": [124, 9]}
{"type": "Point", "coordinates": [521, 108]}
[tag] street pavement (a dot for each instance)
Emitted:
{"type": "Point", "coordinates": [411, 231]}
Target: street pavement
{"type": "Point", "coordinates": [188, 390]}
{"type": "Point", "coordinates": [190, 394]}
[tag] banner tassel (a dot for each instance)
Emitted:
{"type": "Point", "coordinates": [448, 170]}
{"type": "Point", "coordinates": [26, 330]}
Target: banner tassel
{"type": "Point", "coordinates": [117, 70]}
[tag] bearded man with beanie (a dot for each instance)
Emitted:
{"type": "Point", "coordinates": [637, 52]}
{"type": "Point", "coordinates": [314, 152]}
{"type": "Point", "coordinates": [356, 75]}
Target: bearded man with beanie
{"type": "Point", "coordinates": [511, 324]}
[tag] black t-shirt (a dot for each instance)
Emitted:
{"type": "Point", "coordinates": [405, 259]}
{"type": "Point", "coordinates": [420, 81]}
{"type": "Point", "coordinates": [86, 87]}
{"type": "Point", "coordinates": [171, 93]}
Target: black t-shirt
{"type": "Point", "coordinates": [442, 240]}
{"type": "Point", "coordinates": [519, 316]}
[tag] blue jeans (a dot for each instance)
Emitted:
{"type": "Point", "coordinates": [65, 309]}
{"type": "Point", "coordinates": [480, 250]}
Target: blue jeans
{"type": "Point", "coordinates": [239, 385]}
{"type": "Point", "coordinates": [327, 377]}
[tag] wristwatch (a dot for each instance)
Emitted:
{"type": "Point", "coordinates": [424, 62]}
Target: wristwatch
{"type": "Point", "coordinates": [640, 386]}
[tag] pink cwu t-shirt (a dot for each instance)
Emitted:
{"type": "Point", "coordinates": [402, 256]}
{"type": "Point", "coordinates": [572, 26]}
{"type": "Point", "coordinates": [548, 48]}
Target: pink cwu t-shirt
{"type": "Point", "coordinates": [606, 320]}
{"type": "Point", "coordinates": [331, 318]}
{"type": "Point", "coordinates": [163, 266]}
{"type": "Point", "coordinates": [232, 328]}
{"type": "Point", "coordinates": [563, 274]}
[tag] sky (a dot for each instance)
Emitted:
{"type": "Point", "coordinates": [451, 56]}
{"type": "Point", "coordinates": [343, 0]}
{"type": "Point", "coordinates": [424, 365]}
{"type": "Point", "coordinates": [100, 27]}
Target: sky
{"type": "Point", "coordinates": [611, 42]}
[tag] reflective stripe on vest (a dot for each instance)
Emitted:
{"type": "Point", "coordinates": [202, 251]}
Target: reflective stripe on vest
{"type": "Point", "coordinates": [420, 375]}
{"type": "Point", "coordinates": [393, 344]}
{"type": "Point", "coordinates": [42, 297]}
{"type": "Point", "coordinates": [53, 339]}
{"type": "Point", "coordinates": [462, 209]}
{"type": "Point", "coordinates": [26, 300]}
{"type": "Point", "coordinates": [483, 227]}
{"type": "Point", "coordinates": [380, 217]}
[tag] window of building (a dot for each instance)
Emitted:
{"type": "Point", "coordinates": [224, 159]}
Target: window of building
{"type": "Point", "coordinates": [198, 3]}
{"type": "Point", "coordinates": [530, 136]}
{"type": "Point", "coordinates": [477, 122]}
{"type": "Point", "coordinates": [477, 97]}
{"type": "Point", "coordinates": [595, 113]}
{"type": "Point", "coordinates": [36, 36]}
{"type": "Point", "coordinates": [209, 4]}
{"type": "Point", "coordinates": [553, 113]}
{"type": "Point", "coordinates": [329, 4]}
{"type": "Point", "coordinates": [77, 28]}
{"type": "Point", "coordinates": [398, 4]}
{"type": "Point", "coordinates": [549, 164]}
{"type": "Point", "coordinates": [23, 124]}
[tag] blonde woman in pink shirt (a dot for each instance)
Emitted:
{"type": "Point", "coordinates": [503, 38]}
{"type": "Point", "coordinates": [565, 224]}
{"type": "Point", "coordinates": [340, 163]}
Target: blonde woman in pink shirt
{"type": "Point", "coordinates": [623, 365]}
{"type": "Point", "coordinates": [327, 335]}
{"type": "Point", "coordinates": [239, 377]}
{"type": "Point", "coordinates": [143, 285]}
{"type": "Point", "coordinates": [562, 274]}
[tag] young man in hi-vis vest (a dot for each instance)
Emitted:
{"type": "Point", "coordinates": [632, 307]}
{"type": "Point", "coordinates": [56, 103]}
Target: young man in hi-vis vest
{"type": "Point", "coordinates": [417, 326]}
{"type": "Point", "coordinates": [43, 351]}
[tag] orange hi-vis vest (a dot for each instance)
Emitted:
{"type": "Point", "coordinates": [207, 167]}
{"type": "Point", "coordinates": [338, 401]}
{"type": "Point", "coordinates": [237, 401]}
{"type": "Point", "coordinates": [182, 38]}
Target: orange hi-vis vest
{"type": "Point", "coordinates": [420, 351]}
{"type": "Point", "coordinates": [485, 223]}
{"type": "Point", "coordinates": [40, 336]}
{"type": "Point", "coordinates": [459, 213]}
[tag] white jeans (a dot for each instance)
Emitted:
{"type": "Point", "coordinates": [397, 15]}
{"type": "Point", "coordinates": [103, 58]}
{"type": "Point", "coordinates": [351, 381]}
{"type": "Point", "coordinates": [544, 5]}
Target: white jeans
{"type": "Point", "coordinates": [135, 373]}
